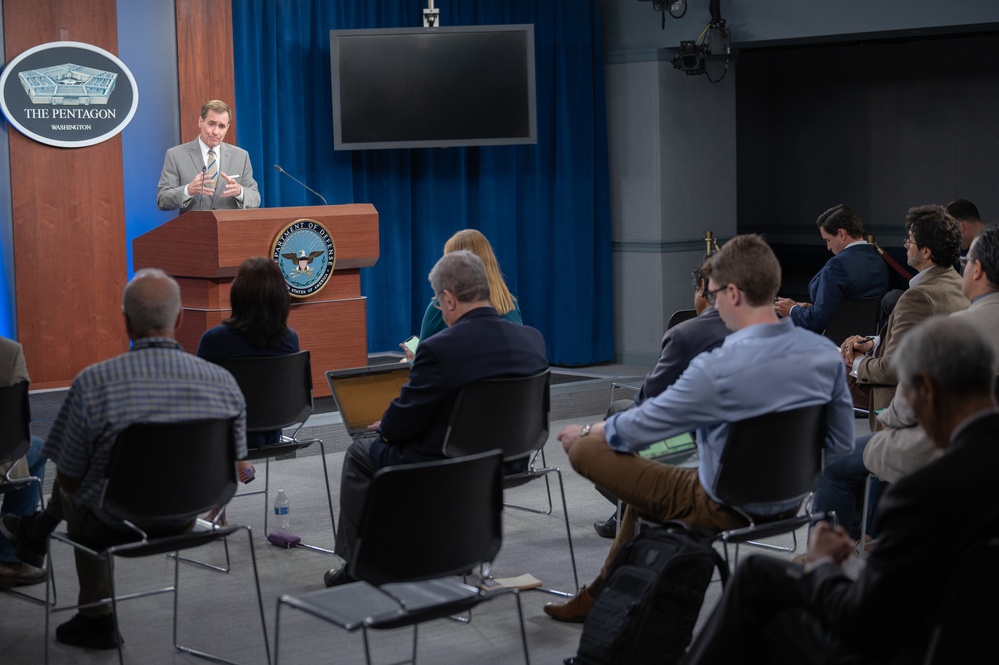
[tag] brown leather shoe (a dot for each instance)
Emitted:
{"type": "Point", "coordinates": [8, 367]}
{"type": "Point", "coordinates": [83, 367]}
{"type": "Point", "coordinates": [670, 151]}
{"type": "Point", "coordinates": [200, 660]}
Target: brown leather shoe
{"type": "Point", "coordinates": [20, 574]}
{"type": "Point", "coordinates": [573, 611]}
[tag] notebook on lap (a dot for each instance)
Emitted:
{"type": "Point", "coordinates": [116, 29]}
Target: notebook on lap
{"type": "Point", "coordinates": [363, 393]}
{"type": "Point", "coordinates": [671, 449]}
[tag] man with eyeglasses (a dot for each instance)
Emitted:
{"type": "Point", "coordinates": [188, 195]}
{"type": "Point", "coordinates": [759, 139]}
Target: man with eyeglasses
{"type": "Point", "coordinates": [901, 446]}
{"type": "Point", "coordinates": [885, 608]}
{"type": "Point", "coordinates": [477, 344]}
{"type": "Point", "coordinates": [766, 365]}
{"type": "Point", "coordinates": [932, 245]}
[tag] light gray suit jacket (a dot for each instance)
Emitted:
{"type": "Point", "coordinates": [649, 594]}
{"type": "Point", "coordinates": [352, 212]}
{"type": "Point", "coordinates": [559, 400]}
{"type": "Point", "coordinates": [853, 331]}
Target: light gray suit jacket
{"type": "Point", "coordinates": [184, 161]}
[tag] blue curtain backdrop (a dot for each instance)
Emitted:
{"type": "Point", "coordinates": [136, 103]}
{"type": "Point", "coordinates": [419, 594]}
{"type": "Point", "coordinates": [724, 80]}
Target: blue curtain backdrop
{"type": "Point", "coordinates": [544, 208]}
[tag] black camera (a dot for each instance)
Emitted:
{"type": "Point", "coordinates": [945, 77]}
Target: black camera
{"type": "Point", "coordinates": [690, 58]}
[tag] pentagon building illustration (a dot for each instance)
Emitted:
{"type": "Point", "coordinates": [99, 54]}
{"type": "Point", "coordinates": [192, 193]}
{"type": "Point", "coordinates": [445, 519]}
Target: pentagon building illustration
{"type": "Point", "coordinates": [68, 85]}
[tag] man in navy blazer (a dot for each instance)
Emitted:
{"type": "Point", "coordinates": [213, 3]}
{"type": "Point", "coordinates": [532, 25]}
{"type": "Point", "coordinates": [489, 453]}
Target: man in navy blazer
{"type": "Point", "coordinates": [855, 271]}
{"type": "Point", "coordinates": [477, 344]}
{"type": "Point", "coordinates": [205, 174]}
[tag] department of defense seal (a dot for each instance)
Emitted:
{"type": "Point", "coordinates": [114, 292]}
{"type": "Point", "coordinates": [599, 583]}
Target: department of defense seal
{"type": "Point", "coordinates": [305, 253]}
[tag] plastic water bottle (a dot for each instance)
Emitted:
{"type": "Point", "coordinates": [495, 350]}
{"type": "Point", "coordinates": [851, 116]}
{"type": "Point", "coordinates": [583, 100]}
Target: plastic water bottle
{"type": "Point", "coordinates": [282, 510]}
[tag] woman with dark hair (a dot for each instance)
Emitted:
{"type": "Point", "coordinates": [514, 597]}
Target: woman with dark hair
{"type": "Point", "coordinates": [258, 327]}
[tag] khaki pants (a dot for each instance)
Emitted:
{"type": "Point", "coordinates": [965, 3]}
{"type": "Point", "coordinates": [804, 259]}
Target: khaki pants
{"type": "Point", "coordinates": [649, 489]}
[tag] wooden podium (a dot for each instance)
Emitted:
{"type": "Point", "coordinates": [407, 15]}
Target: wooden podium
{"type": "Point", "coordinates": [203, 249]}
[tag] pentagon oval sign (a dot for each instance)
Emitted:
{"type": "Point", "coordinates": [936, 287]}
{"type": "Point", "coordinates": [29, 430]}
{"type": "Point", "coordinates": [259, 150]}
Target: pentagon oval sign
{"type": "Point", "coordinates": [68, 94]}
{"type": "Point", "coordinates": [305, 253]}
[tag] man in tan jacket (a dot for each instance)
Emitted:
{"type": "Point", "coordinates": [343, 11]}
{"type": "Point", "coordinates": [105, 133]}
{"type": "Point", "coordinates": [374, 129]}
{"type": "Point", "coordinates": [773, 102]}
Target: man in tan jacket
{"type": "Point", "coordinates": [933, 245]}
{"type": "Point", "coordinates": [900, 446]}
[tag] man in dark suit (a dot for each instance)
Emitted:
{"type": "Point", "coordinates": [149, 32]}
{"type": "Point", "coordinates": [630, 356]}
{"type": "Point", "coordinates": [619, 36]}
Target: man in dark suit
{"type": "Point", "coordinates": [855, 271]}
{"type": "Point", "coordinates": [204, 174]}
{"type": "Point", "coordinates": [832, 610]}
{"type": "Point", "coordinates": [477, 344]}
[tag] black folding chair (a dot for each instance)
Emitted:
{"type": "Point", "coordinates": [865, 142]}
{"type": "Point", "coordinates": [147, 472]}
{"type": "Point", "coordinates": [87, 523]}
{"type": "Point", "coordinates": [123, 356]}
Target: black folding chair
{"type": "Point", "coordinates": [466, 499]}
{"type": "Point", "coordinates": [278, 392]}
{"type": "Point", "coordinates": [773, 458]}
{"type": "Point", "coordinates": [854, 317]}
{"type": "Point", "coordinates": [15, 439]}
{"type": "Point", "coordinates": [510, 414]}
{"type": "Point", "coordinates": [195, 469]}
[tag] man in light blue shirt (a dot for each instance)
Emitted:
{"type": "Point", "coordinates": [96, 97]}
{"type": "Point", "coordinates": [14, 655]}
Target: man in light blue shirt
{"type": "Point", "coordinates": [765, 365]}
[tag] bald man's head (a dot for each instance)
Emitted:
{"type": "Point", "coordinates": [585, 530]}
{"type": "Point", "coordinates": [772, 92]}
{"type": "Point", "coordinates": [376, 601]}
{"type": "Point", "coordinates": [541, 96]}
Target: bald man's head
{"type": "Point", "coordinates": [151, 304]}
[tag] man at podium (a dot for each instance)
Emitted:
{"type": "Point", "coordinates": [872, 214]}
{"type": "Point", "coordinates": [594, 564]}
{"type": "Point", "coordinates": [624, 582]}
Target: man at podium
{"type": "Point", "coordinates": [204, 175]}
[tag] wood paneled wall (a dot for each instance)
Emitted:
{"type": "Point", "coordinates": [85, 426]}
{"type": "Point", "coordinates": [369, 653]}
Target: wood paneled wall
{"type": "Point", "coordinates": [68, 215]}
{"type": "Point", "coordinates": [204, 61]}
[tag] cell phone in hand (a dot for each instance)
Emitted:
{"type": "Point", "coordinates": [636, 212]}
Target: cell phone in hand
{"type": "Point", "coordinates": [412, 343]}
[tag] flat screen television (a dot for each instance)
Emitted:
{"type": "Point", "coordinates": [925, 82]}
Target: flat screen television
{"type": "Point", "coordinates": [433, 87]}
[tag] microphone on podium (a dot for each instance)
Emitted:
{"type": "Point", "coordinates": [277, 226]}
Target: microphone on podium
{"type": "Point", "coordinates": [281, 170]}
{"type": "Point", "coordinates": [201, 194]}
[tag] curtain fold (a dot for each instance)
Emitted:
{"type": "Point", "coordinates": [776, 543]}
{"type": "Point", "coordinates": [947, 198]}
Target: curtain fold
{"type": "Point", "coordinates": [545, 207]}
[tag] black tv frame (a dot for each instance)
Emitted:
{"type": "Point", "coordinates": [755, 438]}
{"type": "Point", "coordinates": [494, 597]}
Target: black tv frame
{"type": "Point", "coordinates": [483, 138]}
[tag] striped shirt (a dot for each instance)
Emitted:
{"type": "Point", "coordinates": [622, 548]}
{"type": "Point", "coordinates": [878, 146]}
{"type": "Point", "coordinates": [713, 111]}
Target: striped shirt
{"type": "Point", "coordinates": [157, 381]}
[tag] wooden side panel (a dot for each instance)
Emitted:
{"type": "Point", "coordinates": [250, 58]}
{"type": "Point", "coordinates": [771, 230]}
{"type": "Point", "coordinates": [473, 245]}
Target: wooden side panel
{"type": "Point", "coordinates": [205, 67]}
{"type": "Point", "coordinates": [68, 215]}
{"type": "Point", "coordinates": [336, 335]}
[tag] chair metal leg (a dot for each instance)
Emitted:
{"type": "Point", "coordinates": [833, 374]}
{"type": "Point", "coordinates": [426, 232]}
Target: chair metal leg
{"type": "Point", "coordinates": [210, 566]}
{"type": "Point", "coordinates": [260, 603]}
{"type": "Point", "coordinates": [523, 632]}
{"type": "Point", "coordinates": [548, 489]}
{"type": "Point", "coordinates": [15, 591]}
{"type": "Point", "coordinates": [329, 498]}
{"type": "Point", "coordinates": [572, 554]}
{"type": "Point", "coordinates": [777, 548]}
{"type": "Point", "coordinates": [862, 553]}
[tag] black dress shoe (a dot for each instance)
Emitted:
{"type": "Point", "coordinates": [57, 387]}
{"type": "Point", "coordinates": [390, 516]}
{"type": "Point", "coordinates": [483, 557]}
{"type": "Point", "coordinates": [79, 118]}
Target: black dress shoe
{"type": "Point", "coordinates": [608, 528]}
{"type": "Point", "coordinates": [337, 576]}
{"type": "Point", "coordinates": [89, 632]}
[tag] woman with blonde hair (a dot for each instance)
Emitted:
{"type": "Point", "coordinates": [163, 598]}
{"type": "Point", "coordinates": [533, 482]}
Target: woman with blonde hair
{"type": "Point", "coordinates": [499, 295]}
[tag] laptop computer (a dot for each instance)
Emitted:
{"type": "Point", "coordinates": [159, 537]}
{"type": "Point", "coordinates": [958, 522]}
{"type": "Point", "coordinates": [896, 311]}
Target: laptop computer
{"type": "Point", "coordinates": [363, 393]}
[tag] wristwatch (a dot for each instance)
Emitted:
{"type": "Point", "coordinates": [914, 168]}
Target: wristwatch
{"type": "Point", "coordinates": [586, 430]}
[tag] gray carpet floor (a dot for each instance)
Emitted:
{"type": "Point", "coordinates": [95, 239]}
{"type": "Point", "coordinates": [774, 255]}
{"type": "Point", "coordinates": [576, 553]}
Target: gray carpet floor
{"type": "Point", "coordinates": [219, 612]}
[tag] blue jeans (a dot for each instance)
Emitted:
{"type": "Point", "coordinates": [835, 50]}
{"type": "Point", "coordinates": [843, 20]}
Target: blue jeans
{"type": "Point", "coordinates": [843, 482]}
{"type": "Point", "coordinates": [25, 500]}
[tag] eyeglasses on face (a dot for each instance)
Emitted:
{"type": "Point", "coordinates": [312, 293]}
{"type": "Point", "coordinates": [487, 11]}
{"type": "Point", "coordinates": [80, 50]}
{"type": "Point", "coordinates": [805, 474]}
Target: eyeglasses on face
{"type": "Point", "coordinates": [909, 242]}
{"type": "Point", "coordinates": [436, 301]}
{"type": "Point", "coordinates": [711, 296]}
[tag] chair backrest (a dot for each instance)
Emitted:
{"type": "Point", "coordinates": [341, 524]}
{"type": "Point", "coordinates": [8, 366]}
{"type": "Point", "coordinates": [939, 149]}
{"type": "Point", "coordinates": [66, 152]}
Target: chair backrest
{"type": "Point", "coordinates": [509, 413]}
{"type": "Point", "coordinates": [430, 519]}
{"type": "Point", "coordinates": [968, 611]}
{"type": "Point", "coordinates": [15, 416]}
{"type": "Point", "coordinates": [277, 389]}
{"type": "Point", "coordinates": [854, 317]}
{"type": "Point", "coordinates": [170, 472]}
{"type": "Point", "coordinates": [681, 315]}
{"type": "Point", "coordinates": [772, 458]}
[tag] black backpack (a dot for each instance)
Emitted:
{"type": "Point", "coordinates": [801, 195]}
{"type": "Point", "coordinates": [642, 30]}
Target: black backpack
{"type": "Point", "coordinates": [646, 611]}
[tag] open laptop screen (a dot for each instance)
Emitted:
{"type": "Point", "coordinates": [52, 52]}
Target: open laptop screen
{"type": "Point", "coordinates": [363, 393]}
